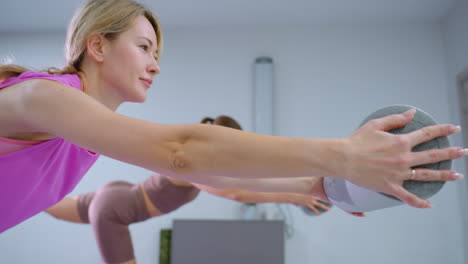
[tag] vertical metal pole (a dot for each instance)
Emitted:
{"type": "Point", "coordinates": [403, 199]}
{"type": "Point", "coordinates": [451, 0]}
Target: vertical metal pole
{"type": "Point", "coordinates": [263, 96]}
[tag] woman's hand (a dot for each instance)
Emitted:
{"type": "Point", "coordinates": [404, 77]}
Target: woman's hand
{"type": "Point", "coordinates": [381, 161]}
{"type": "Point", "coordinates": [317, 190]}
{"type": "Point", "coordinates": [309, 202]}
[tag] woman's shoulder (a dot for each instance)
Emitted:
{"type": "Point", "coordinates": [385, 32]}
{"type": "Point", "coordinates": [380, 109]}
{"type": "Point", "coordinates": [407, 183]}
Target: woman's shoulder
{"type": "Point", "coordinates": [72, 80]}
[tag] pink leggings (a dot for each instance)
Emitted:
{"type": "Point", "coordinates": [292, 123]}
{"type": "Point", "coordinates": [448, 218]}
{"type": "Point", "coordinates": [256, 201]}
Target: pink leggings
{"type": "Point", "coordinates": [110, 210]}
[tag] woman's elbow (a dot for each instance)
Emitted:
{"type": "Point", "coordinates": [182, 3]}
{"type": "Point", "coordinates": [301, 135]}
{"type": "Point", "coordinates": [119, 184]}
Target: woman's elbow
{"type": "Point", "coordinates": [168, 148]}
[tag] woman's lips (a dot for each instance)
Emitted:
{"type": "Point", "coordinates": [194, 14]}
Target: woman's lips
{"type": "Point", "coordinates": [147, 82]}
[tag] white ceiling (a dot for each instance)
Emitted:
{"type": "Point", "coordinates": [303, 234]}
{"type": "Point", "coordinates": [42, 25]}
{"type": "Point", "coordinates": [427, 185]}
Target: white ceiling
{"type": "Point", "coordinates": [51, 15]}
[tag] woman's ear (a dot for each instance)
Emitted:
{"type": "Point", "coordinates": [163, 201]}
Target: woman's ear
{"type": "Point", "coordinates": [95, 47]}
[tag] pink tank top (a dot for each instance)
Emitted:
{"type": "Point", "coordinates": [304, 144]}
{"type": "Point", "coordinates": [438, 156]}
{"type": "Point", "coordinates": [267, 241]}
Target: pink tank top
{"type": "Point", "coordinates": [8, 146]}
{"type": "Point", "coordinates": [35, 175]}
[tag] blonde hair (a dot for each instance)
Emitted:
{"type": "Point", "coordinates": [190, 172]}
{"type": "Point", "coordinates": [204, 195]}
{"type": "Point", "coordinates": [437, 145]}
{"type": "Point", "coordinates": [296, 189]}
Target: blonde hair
{"type": "Point", "coordinates": [106, 17]}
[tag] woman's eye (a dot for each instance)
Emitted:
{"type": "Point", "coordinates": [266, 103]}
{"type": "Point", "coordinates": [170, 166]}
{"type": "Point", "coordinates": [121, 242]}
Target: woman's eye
{"type": "Point", "coordinates": [144, 47]}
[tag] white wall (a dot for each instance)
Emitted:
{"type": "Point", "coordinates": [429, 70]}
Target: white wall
{"type": "Point", "coordinates": [456, 43]}
{"type": "Point", "coordinates": [327, 79]}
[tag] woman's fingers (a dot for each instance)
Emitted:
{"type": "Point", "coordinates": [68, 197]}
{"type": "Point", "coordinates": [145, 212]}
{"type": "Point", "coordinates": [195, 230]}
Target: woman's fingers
{"type": "Point", "coordinates": [436, 155]}
{"type": "Point", "coordinates": [436, 175]}
{"type": "Point", "coordinates": [392, 121]}
{"type": "Point", "coordinates": [430, 132]}
{"type": "Point", "coordinates": [312, 207]}
{"type": "Point", "coordinates": [409, 198]}
{"type": "Point", "coordinates": [323, 206]}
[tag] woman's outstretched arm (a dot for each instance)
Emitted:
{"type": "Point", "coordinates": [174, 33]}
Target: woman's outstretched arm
{"type": "Point", "coordinates": [300, 185]}
{"type": "Point", "coordinates": [194, 151]}
{"type": "Point", "coordinates": [183, 151]}
{"type": "Point", "coordinates": [244, 196]}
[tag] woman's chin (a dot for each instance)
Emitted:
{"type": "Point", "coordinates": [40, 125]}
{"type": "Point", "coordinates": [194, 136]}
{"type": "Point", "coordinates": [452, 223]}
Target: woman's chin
{"type": "Point", "coordinates": [141, 100]}
{"type": "Point", "coordinates": [138, 98]}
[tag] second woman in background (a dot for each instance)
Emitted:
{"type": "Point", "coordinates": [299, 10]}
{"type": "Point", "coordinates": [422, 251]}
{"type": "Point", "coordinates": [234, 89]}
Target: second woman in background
{"type": "Point", "coordinates": [116, 205]}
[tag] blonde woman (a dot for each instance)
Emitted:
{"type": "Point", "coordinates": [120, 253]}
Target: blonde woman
{"type": "Point", "coordinates": [55, 124]}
